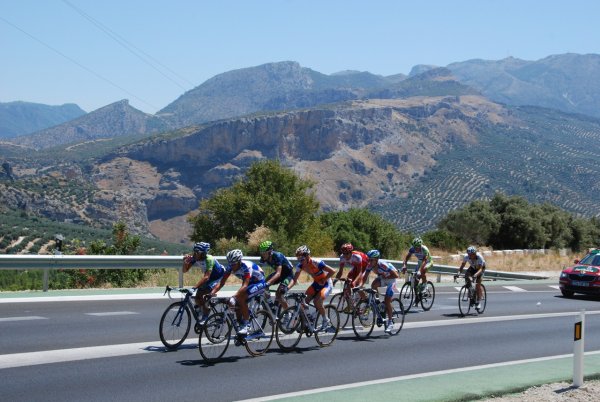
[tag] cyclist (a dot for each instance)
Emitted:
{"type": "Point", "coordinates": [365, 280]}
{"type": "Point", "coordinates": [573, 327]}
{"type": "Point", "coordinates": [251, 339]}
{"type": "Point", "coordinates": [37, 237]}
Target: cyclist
{"type": "Point", "coordinates": [358, 262]}
{"type": "Point", "coordinates": [386, 278]}
{"type": "Point", "coordinates": [213, 272]}
{"type": "Point", "coordinates": [253, 283]}
{"type": "Point", "coordinates": [424, 261]}
{"type": "Point", "coordinates": [475, 271]}
{"type": "Point", "coordinates": [321, 286]}
{"type": "Point", "coordinates": [284, 271]}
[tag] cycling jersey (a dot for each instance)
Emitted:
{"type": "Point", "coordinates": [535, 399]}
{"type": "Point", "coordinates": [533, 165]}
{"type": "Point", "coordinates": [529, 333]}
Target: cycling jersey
{"type": "Point", "coordinates": [358, 260]}
{"type": "Point", "coordinates": [424, 254]}
{"type": "Point", "coordinates": [247, 269]}
{"type": "Point", "coordinates": [316, 269]}
{"type": "Point", "coordinates": [210, 264]}
{"type": "Point", "coordinates": [475, 262]}
{"type": "Point", "coordinates": [287, 270]}
{"type": "Point", "coordinates": [384, 270]}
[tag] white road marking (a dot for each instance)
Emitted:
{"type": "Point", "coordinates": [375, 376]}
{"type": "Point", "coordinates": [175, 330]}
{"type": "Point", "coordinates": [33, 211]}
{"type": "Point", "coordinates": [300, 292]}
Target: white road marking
{"type": "Point", "coordinates": [458, 288]}
{"type": "Point", "coordinates": [555, 287]}
{"type": "Point", "coordinates": [31, 317]}
{"type": "Point", "coordinates": [97, 352]}
{"type": "Point", "coordinates": [514, 288]}
{"type": "Point", "coordinates": [409, 377]}
{"type": "Point", "coordinates": [112, 313]}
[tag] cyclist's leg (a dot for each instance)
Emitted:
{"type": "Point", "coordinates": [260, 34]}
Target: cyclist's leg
{"type": "Point", "coordinates": [478, 286]}
{"type": "Point", "coordinates": [282, 290]}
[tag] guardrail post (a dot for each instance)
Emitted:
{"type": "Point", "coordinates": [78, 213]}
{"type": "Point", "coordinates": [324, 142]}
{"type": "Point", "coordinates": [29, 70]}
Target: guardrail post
{"type": "Point", "coordinates": [45, 280]}
{"type": "Point", "coordinates": [578, 351]}
{"type": "Point", "coordinates": [180, 270]}
{"type": "Point", "coordinates": [438, 278]}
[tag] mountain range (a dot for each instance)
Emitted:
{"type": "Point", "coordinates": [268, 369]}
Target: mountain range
{"type": "Point", "coordinates": [410, 147]}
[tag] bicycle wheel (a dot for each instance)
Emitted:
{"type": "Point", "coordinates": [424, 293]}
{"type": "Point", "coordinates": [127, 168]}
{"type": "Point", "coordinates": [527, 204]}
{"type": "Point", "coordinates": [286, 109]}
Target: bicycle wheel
{"type": "Point", "coordinates": [326, 336]}
{"type": "Point", "coordinates": [175, 325]}
{"type": "Point", "coordinates": [482, 301]}
{"type": "Point", "coordinates": [261, 333]}
{"type": "Point", "coordinates": [214, 339]}
{"type": "Point", "coordinates": [341, 305]}
{"type": "Point", "coordinates": [289, 328]}
{"type": "Point", "coordinates": [407, 296]}
{"type": "Point", "coordinates": [398, 314]}
{"type": "Point", "coordinates": [427, 296]}
{"type": "Point", "coordinates": [363, 320]}
{"type": "Point", "coordinates": [464, 301]}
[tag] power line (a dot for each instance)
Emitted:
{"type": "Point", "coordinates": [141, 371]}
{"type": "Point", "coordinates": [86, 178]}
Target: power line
{"type": "Point", "coordinates": [140, 54]}
{"type": "Point", "coordinates": [98, 75]}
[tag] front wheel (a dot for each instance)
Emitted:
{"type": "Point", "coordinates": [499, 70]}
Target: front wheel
{"type": "Point", "coordinates": [175, 325]}
{"type": "Point", "coordinates": [363, 320]}
{"type": "Point", "coordinates": [341, 305]}
{"type": "Point", "coordinates": [427, 296]}
{"type": "Point", "coordinates": [261, 333]}
{"type": "Point", "coordinates": [407, 295]}
{"type": "Point", "coordinates": [215, 337]}
{"type": "Point", "coordinates": [325, 337]}
{"type": "Point", "coordinates": [464, 301]}
{"type": "Point", "coordinates": [483, 300]}
{"type": "Point", "coordinates": [398, 314]}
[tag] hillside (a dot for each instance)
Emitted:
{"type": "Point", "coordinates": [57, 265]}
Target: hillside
{"type": "Point", "coordinates": [21, 118]}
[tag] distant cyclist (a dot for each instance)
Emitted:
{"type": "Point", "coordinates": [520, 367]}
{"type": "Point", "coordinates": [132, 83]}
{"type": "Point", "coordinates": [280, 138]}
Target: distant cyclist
{"type": "Point", "coordinates": [253, 283]}
{"type": "Point", "coordinates": [321, 286]}
{"type": "Point", "coordinates": [386, 278]}
{"type": "Point", "coordinates": [213, 272]}
{"type": "Point", "coordinates": [475, 271]}
{"type": "Point", "coordinates": [424, 261]}
{"type": "Point", "coordinates": [358, 261]}
{"type": "Point", "coordinates": [283, 274]}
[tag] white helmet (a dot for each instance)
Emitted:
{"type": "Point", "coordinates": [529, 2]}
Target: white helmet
{"type": "Point", "coordinates": [234, 256]}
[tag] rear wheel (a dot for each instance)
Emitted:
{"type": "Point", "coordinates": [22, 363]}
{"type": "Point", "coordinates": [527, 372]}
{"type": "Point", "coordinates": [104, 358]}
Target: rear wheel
{"type": "Point", "coordinates": [407, 295]}
{"type": "Point", "coordinates": [289, 329]}
{"type": "Point", "coordinates": [261, 333]}
{"type": "Point", "coordinates": [427, 296]}
{"type": "Point", "coordinates": [464, 301]}
{"type": "Point", "coordinates": [214, 338]}
{"type": "Point", "coordinates": [483, 300]}
{"type": "Point", "coordinates": [327, 336]}
{"type": "Point", "coordinates": [567, 293]}
{"type": "Point", "coordinates": [341, 305]}
{"type": "Point", "coordinates": [175, 325]}
{"type": "Point", "coordinates": [363, 320]}
{"type": "Point", "coordinates": [398, 314]}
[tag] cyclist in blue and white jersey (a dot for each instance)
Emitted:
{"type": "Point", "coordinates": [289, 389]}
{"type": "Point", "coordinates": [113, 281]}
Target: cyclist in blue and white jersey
{"type": "Point", "coordinates": [253, 283]}
{"type": "Point", "coordinates": [284, 270]}
{"type": "Point", "coordinates": [476, 270]}
{"type": "Point", "coordinates": [424, 260]}
{"type": "Point", "coordinates": [386, 278]}
{"type": "Point", "coordinates": [213, 272]}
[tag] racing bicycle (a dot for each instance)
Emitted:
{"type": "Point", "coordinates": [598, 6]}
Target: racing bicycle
{"type": "Point", "coordinates": [413, 292]}
{"type": "Point", "coordinates": [467, 297]}
{"type": "Point", "coordinates": [371, 312]}
{"type": "Point", "coordinates": [345, 304]}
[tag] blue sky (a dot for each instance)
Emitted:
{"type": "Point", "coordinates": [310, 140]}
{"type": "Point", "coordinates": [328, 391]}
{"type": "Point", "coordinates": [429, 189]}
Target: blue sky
{"type": "Point", "coordinates": [93, 53]}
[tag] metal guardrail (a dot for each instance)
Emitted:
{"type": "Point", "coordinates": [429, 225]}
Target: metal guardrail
{"type": "Point", "coordinates": [52, 262]}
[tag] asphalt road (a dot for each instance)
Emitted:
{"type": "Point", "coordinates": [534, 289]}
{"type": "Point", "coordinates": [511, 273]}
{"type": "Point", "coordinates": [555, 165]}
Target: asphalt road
{"type": "Point", "coordinates": [110, 350]}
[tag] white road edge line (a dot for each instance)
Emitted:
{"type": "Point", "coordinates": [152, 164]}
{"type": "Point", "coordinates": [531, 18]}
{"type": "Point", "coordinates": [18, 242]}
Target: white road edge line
{"type": "Point", "coordinates": [408, 377]}
{"type": "Point", "coordinates": [12, 360]}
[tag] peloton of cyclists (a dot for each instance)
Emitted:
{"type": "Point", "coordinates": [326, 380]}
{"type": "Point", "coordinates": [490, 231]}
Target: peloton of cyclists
{"type": "Point", "coordinates": [213, 272]}
{"type": "Point", "coordinates": [475, 271]}
{"type": "Point", "coordinates": [321, 287]}
{"type": "Point", "coordinates": [283, 274]}
{"type": "Point", "coordinates": [424, 261]}
{"type": "Point", "coordinates": [386, 277]}
{"type": "Point", "coordinates": [253, 283]}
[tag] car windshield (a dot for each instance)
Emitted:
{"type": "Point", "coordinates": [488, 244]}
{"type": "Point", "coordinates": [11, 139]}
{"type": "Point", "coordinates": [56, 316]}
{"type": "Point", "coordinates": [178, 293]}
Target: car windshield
{"type": "Point", "coordinates": [591, 259]}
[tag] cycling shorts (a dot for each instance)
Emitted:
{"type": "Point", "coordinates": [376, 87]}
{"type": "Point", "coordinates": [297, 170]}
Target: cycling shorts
{"type": "Point", "coordinates": [472, 271]}
{"type": "Point", "coordinates": [283, 280]}
{"type": "Point", "coordinates": [208, 285]}
{"type": "Point", "coordinates": [256, 288]}
{"type": "Point", "coordinates": [320, 290]}
{"type": "Point", "coordinates": [427, 266]}
{"type": "Point", "coordinates": [389, 284]}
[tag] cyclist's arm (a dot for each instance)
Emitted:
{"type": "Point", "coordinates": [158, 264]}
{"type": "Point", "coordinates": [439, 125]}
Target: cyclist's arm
{"type": "Point", "coordinates": [188, 261]}
{"type": "Point", "coordinates": [480, 268]}
{"type": "Point", "coordinates": [363, 278]}
{"type": "Point", "coordinates": [408, 255]}
{"type": "Point", "coordinates": [295, 280]}
{"type": "Point", "coordinates": [460, 269]}
{"type": "Point", "coordinates": [276, 276]}
{"type": "Point", "coordinates": [338, 276]}
{"type": "Point", "coordinates": [245, 283]}
{"type": "Point", "coordinates": [330, 271]}
{"type": "Point", "coordinates": [204, 278]}
{"type": "Point", "coordinates": [221, 284]}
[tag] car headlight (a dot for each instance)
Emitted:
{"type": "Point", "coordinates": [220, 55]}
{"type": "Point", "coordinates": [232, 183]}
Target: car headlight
{"type": "Point", "coordinates": [563, 275]}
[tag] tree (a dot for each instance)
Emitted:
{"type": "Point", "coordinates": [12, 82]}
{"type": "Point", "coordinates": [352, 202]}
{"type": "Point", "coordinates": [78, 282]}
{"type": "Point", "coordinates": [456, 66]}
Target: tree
{"type": "Point", "coordinates": [269, 195]}
{"type": "Point", "coordinates": [476, 223]}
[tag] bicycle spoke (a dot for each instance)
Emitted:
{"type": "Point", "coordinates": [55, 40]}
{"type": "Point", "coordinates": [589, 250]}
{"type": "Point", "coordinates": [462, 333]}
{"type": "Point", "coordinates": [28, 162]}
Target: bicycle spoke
{"type": "Point", "coordinates": [261, 333]}
{"type": "Point", "coordinates": [214, 339]}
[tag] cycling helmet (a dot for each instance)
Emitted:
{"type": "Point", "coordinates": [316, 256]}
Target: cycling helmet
{"type": "Point", "coordinates": [347, 248]}
{"type": "Point", "coordinates": [234, 256]}
{"type": "Point", "coordinates": [417, 242]}
{"type": "Point", "coordinates": [202, 247]}
{"type": "Point", "coordinates": [373, 254]}
{"type": "Point", "coordinates": [266, 245]}
{"type": "Point", "coordinates": [471, 250]}
{"type": "Point", "coordinates": [303, 251]}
